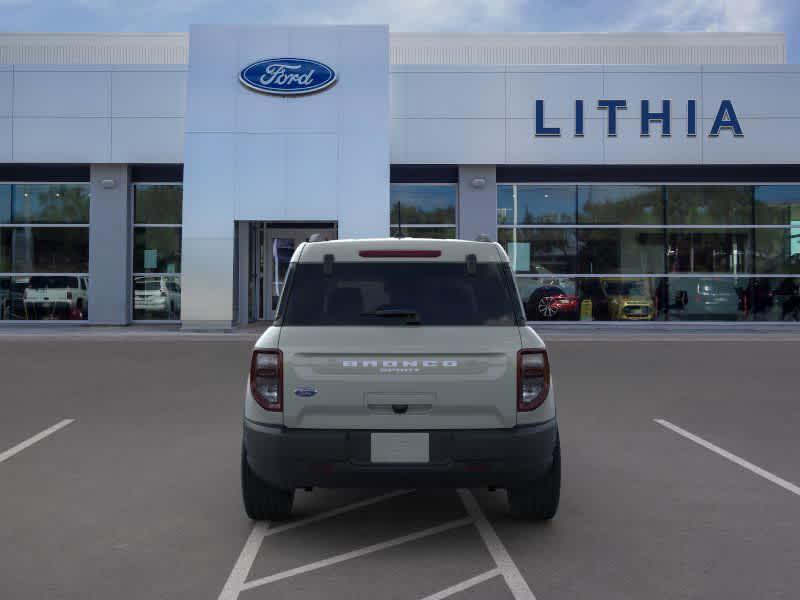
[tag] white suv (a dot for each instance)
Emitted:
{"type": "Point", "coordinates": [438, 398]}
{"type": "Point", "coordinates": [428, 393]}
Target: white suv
{"type": "Point", "coordinates": [400, 363]}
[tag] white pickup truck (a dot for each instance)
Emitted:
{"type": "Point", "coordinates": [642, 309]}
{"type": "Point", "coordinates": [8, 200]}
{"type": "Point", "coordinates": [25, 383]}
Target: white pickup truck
{"type": "Point", "coordinates": [56, 296]}
{"type": "Point", "coordinates": [400, 363]}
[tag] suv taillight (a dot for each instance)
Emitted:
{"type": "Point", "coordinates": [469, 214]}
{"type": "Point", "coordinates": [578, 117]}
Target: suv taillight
{"type": "Point", "coordinates": [533, 379]}
{"type": "Point", "coordinates": [266, 379]}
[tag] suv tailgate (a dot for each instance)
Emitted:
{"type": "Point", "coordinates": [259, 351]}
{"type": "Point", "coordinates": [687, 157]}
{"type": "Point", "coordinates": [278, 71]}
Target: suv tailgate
{"type": "Point", "coordinates": [401, 377]}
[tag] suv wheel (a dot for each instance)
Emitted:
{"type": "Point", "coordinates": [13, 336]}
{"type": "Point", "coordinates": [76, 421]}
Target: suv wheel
{"type": "Point", "coordinates": [261, 500]}
{"type": "Point", "coordinates": [538, 501]}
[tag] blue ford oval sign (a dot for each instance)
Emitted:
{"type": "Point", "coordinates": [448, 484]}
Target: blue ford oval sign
{"type": "Point", "coordinates": [287, 76]}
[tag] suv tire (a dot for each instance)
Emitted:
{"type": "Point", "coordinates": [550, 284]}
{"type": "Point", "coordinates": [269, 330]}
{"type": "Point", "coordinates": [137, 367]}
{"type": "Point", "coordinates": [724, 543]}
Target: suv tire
{"type": "Point", "coordinates": [540, 307]}
{"type": "Point", "coordinates": [262, 501]}
{"type": "Point", "coordinates": [538, 501]}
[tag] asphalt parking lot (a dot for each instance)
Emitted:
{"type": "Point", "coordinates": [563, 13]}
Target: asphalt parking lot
{"type": "Point", "coordinates": [135, 493]}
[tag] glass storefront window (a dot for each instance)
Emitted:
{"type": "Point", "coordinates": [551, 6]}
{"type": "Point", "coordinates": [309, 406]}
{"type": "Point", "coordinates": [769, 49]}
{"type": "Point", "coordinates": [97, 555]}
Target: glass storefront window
{"type": "Point", "coordinates": [158, 204]}
{"type": "Point", "coordinates": [620, 205]}
{"type": "Point", "coordinates": [701, 252]}
{"type": "Point", "coordinates": [44, 297]}
{"type": "Point", "coordinates": [44, 250]}
{"type": "Point", "coordinates": [44, 204]}
{"type": "Point", "coordinates": [710, 251]}
{"type": "Point", "coordinates": [623, 298]}
{"type": "Point", "coordinates": [157, 250]}
{"type": "Point", "coordinates": [708, 299]}
{"type": "Point", "coordinates": [157, 214]}
{"type": "Point", "coordinates": [774, 299]}
{"type": "Point", "coordinates": [593, 299]}
{"type": "Point", "coordinates": [620, 251]}
{"type": "Point", "coordinates": [156, 297]}
{"type": "Point", "coordinates": [540, 251]}
{"type": "Point", "coordinates": [43, 263]}
{"type": "Point", "coordinates": [549, 298]}
{"type": "Point", "coordinates": [628, 299]}
{"type": "Point", "coordinates": [432, 205]}
{"type": "Point", "coordinates": [778, 250]}
{"type": "Point", "coordinates": [439, 233]}
{"type": "Point", "coordinates": [777, 205]}
{"type": "Point", "coordinates": [536, 205]}
{"type": "Point", "coordinates": [709, 205]}
{"type": "Point", "coordinates": [5, 203]}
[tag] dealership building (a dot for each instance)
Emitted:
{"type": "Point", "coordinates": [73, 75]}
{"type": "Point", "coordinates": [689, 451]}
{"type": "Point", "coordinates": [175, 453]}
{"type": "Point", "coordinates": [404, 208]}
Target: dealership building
{"type": "Point", "coordinates": [169, 177]}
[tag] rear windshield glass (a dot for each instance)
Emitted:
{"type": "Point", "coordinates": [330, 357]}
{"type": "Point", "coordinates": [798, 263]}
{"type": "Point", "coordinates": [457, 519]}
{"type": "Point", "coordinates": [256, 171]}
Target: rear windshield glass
{"type": "Point", "coordinates": [399, 294]}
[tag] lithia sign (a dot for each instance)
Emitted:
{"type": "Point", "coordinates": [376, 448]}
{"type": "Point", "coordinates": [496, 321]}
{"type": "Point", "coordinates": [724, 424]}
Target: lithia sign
{"type": "Point", "coordinates": [725, 120]}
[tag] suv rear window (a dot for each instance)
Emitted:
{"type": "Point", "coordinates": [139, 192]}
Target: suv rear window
{"type": "Point", "coordinates": [381, 293]}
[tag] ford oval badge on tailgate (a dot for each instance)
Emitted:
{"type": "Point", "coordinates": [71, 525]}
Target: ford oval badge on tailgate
{"type": "Point", "coordinates": [287, 76]}
{"type": "Point", "coordinates": [305, 392]}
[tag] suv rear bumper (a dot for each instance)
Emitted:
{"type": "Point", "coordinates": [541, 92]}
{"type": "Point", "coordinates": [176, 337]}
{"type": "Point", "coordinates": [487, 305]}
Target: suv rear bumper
{"type": "Point", "coordinates": [293, 458]}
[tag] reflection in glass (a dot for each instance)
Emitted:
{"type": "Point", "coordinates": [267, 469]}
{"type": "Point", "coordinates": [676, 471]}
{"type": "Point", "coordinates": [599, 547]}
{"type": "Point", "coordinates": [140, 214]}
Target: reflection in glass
{"type": "Point", "coordinates": [44, 298]}
{"type": "Point", "coordinates": [5, 203]}
{"type": "Point", "coordinates": [505, 205]}
{"type": "Point", "coordinates": [548, 298]}
{"type": "Point", "coordinates": [158, 204]}
{"type": "Point", "coordinates": [620, 204]}
{"type": "Point", "coordinates": [157, 249]}
{"type": "Point", "coordinates": [777, 205]}
{"type": "Point", "coordinates": [709, 205]}
{"type": "Point", "coordinates": [778, 250]}
{"type": "Point", "coordinates": [696, 298]}
{"type": "Point", "coordinates": [156, 297]}
{"type": "Point", "coordinates": [540, 251]}
{"type": "Point", "coordinates": [5, 298]}
{"type": "Point", "coordinates": [774, 299]}
{"type": "Point", "coordinates": [420, 204]}
{"type": "Point", "coordinates": [45, 204]}
{"type": "Point", "coordinates": [536, 204]}
{"type": "Point", "coordinates": [622, 298]}
{"type": "Point", "coordinates": [621, 250]}
{"type": "Point", "coordinates": [439, 233]}
{"type": "Point", "coordinates": [710, 251]}
{"type": "Point", "coordinates": [44, 249]}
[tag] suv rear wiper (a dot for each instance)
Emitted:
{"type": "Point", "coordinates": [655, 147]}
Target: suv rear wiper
{"type": "Point", "coordinates": [411, 316]}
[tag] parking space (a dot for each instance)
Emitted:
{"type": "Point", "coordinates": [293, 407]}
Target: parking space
{"type": "Point", "coordinates": [138, 497]}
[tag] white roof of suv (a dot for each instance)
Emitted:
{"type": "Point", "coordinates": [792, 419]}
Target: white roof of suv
{"type": "Point", "coordinates": [400, 250]}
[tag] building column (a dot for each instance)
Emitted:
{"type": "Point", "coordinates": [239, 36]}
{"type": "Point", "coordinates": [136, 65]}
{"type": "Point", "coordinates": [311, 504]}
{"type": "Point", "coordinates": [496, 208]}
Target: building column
{"type": "Point", "coordinates": [109, 245]}
{"type": "Point", "coordinates": [477, 202]}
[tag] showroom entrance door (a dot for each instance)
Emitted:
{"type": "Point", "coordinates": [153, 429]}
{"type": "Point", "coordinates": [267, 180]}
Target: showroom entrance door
{"type": "Point", "coordinates": [271, 247]}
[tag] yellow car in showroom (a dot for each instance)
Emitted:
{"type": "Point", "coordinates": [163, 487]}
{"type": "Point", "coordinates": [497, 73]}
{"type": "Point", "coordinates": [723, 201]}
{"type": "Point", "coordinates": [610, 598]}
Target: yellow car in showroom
{"type": "Point", "coordinates": [628, 299]}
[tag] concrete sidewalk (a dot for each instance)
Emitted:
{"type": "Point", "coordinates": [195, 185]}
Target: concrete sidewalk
{"type": "Point", "coordinates": [578, 331]}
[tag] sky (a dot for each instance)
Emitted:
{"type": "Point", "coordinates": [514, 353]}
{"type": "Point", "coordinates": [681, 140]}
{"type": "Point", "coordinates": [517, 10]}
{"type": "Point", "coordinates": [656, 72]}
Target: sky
{"type": "Point", "coordinates": [414, 15]}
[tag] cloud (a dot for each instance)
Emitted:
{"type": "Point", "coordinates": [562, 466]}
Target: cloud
{"type": "Point", "coordinates": [416, 15]}
{"type": "Point", "coordinates": [705, 15]}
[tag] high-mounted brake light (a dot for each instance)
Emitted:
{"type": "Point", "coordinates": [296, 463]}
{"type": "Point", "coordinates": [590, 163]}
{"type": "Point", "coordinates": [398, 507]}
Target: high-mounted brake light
{"type": "Point", "coordinates": [533, 379]}
{"type": "Point", "coordinates": [399, 253]}
{"type": "Point", "coordinates": [266, 379]}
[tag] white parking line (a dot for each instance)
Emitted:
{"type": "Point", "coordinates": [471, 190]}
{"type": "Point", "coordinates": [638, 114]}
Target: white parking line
{"type": "Point", "coordinates": [464, 585]}
{"type": "Point", "coordinates": [357, 553]}
{"type": "Point", "coordinates": [505, 564]}
{"type": "Point", "coordinates": [788, 486]}
{"type": "Point", "coordinates": [33, 439]}
{"type": "Point", "coordinates": [241, 569]}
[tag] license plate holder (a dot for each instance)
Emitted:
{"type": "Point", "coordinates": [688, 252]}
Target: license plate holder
{"type": "Point", "coordinates": [391, 447]}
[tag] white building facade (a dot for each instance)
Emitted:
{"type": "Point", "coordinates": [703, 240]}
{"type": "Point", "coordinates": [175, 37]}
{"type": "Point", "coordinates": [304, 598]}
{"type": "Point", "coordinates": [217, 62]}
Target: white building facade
{"type": "Point", "coordinates": [631, 177]}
